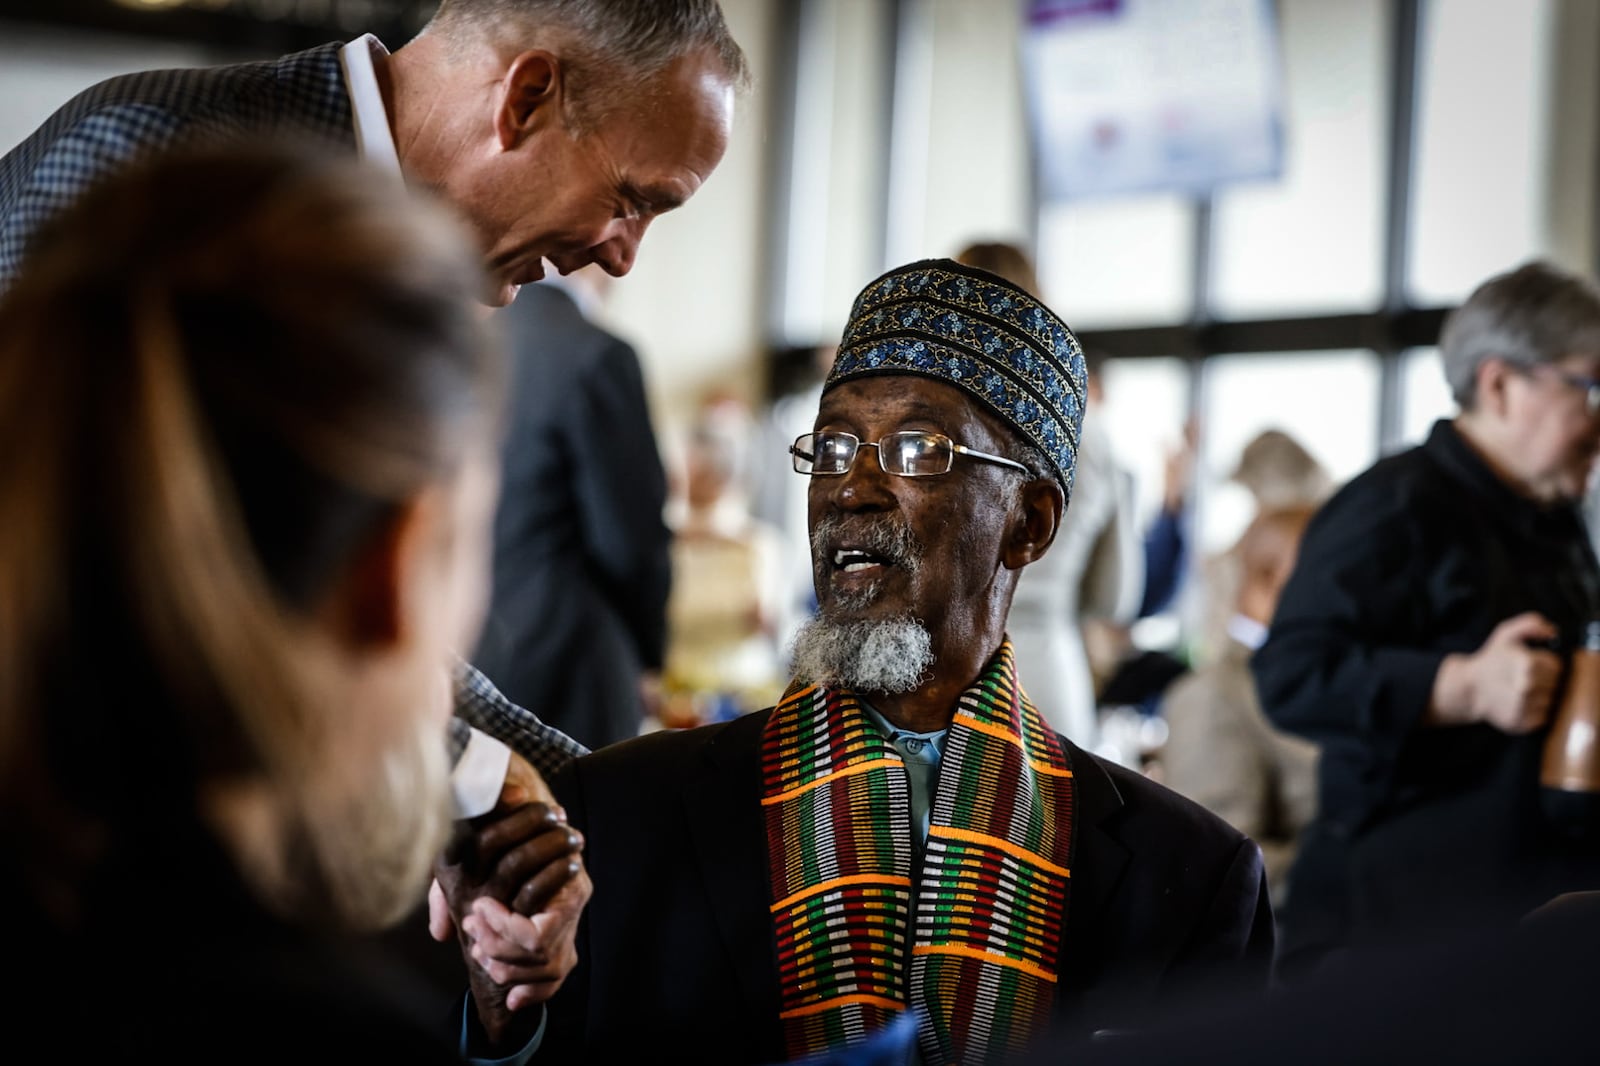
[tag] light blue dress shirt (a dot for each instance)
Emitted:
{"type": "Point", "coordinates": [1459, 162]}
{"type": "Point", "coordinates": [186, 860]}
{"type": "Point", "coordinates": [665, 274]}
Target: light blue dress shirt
{"type": "Point", "coordinates": [921, 752]}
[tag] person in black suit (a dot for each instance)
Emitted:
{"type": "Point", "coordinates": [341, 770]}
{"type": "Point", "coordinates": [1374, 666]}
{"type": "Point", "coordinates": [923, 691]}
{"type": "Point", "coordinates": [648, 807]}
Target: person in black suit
{"type": "Point", "coordinates": [577, 620]}
{"type": "Point", "coordinates": [902, 834]}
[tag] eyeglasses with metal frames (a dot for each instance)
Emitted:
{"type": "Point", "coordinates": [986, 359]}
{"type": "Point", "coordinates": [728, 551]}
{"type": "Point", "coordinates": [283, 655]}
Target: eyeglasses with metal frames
{"type": "Point", "coordinates": [1590, 386]}
{"type": "Point", "coordinates": [905, 454]}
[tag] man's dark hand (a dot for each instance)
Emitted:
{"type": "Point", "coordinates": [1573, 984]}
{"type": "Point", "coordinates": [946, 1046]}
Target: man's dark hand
{"type": "Point", "coordinates": [530, 955]}
{"type": "Point", "coordinates": [513, 885]}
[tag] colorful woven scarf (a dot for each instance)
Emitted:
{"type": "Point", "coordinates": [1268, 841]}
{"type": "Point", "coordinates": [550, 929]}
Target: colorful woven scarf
{"type": "Point", "coordinates": [991, 893]}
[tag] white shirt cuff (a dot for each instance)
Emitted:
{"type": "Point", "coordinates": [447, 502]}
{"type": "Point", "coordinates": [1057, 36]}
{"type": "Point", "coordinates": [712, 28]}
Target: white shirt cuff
{"type": "Point", "coordinates": [479, 775]}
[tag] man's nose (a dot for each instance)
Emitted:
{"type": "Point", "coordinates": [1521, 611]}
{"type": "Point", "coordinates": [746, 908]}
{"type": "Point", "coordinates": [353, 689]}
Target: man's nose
{"type": "Point", "coordinates": [864, 487]}
{"type": "Point", "coordinates": [617, 251]}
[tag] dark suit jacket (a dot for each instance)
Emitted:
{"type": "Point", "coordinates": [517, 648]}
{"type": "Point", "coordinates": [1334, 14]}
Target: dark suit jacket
{"type": "Point", "coordinates": [582, 552]}
{"type": "Point", "coordinates": [676, 949]}
{"type": "Point", "coordinates": [202, 973]}
{"type": "Point", "coordinates": [1483, 997]}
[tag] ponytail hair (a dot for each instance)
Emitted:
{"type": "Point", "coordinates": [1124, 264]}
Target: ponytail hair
{"type": "Point", "coordinates": [221, 373]}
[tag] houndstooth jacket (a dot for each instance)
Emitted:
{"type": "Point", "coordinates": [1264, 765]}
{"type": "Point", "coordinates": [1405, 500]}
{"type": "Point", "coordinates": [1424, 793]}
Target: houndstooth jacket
{"type": "Point", "coordinates": [120, 119]}
{"type": "Point", "coordinates": [110, 124]}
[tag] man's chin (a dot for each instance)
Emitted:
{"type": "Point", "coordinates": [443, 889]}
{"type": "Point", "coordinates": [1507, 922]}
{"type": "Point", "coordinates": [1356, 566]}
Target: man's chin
{"type": "Point", "coordinates": [501, 294]}
{"type": "Point", "coordinates": [865, 603]}
{"type": "Point", "coordinates": [890, 654]}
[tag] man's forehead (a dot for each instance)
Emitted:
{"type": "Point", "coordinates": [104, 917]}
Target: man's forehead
{"type": "Point", "coordinates": [903, 396]}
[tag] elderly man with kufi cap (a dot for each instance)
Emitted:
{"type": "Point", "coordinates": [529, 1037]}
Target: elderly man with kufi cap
{"type": "Point", "coordinates": [902, 834]}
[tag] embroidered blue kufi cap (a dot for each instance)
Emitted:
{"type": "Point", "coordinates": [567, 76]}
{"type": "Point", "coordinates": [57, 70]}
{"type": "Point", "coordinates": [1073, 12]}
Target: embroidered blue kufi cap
{"type": "Point", "coordinates": [972, 329]}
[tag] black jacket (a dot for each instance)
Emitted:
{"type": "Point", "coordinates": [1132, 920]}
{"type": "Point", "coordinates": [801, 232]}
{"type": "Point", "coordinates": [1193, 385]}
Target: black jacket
{"type": "Point", "coordinates": [168, 958]}
{"type": "Point", "coordinates": [582, 557]}
{"type": "Point", "coordinates": [1420, 556]}
{"type": "Point", "coordinates": [677, 955]}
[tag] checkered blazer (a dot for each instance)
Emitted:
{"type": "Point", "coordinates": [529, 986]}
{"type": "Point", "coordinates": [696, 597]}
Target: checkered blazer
{"type": "Point", "coordinates": [111, 123]}
{"type": "Point", "coordinates": [116, 121]}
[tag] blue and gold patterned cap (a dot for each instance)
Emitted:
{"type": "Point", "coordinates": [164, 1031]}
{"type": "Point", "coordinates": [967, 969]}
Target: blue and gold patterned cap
{"type": "Point", "coordinates": [972, 329]}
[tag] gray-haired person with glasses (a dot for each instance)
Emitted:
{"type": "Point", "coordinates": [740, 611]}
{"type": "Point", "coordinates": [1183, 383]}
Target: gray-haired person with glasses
{"type": "Point", "coordinates": [1421, 639]}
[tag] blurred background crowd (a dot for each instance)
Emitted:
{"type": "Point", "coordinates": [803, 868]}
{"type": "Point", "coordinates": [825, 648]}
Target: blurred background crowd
{"type": "Point", "coordinates": [1261, 325]}
{"type": "Point", "coordinates": [1255, 338]}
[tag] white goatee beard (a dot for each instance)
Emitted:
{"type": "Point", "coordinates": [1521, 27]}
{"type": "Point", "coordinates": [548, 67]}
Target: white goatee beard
{"type": "Point", "coordinates": [892, 656]}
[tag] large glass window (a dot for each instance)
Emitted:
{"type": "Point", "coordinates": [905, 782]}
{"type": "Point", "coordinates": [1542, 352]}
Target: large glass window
{"type": "Point", "coordinates": [1327, 401]}
{"type": "Point", "coordinates": [1313, 241]}
{"type": "Point", "coordinates": [1144, 405]}
{"type": "Point", "coordinates": [1424, 396]}
{"type": "Point", "coordinates": [1112, 262]}
{"type": "Point", "coordinates": [1479, 198]}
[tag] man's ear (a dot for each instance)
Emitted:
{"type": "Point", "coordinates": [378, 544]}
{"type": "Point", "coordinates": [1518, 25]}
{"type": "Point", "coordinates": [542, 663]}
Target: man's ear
{"type": "Point", "coordinates": [1489, 384]}
{"type": "Point", "coordinates": [1034, 527]}
{"type": "Point", "coordinates": [370, 607]}
{"type": "Point", "coordinates": [530, 94]}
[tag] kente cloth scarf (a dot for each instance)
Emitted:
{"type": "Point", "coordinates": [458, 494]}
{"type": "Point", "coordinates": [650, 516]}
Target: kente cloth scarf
{"type": "Point", "coordinates": [991, 892]}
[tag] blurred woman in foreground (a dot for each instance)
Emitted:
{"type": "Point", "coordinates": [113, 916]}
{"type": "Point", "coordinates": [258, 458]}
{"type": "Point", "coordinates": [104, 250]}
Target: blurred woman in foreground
{"type": "Point", "coordinates": [247, 414]}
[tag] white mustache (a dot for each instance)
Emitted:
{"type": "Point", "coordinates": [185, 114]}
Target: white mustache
{"type": "Point", "coordinates": [888, 538]}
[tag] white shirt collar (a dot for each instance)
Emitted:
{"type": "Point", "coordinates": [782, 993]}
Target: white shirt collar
{"type": "Point", "coordinates": [1247, 631]}
{"type": "Point", "coordinates": [374, 138]}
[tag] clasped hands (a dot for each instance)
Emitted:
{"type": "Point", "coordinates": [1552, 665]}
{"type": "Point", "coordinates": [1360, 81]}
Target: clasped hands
{"type": "Point", "coordinates": [511, 886]}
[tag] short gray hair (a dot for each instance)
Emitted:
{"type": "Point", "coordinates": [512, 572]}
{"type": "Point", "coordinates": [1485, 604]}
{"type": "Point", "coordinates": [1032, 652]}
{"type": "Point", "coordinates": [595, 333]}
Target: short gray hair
{"type": "Point", "coordinates": [611, 49]}
{"type": "Point", "coordinates": [1537, 313]}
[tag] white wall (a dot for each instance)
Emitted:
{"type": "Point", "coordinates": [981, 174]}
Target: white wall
{"type": "Point", "coordinates": [692, 304]}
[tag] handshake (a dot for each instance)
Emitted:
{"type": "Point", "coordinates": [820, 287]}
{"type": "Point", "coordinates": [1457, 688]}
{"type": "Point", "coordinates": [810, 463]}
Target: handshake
{"type": "Point", "coordinates": [510, 886]}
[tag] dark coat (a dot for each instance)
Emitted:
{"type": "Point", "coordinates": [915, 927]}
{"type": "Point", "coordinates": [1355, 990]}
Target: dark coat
{"type": "Point", "coordinates": [677, 960]}
{"type": "Point", "coordinates": [170, 959]}
{"type": "Point", "coordinates": [582, 555]}
{"type": "Point", "coordinates": [1421, 556]}
{"type": "Point", "coordinates": [1522, 994]}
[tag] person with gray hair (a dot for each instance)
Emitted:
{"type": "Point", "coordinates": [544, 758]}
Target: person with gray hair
{"type": "Point", "coordinates": [560, 129]}
{"type": "Point", "coordinates": [1420, 639]}
{"type": "Point", "coordinates": [557, 129]}
{"type": "Point", "coordinates": [1538, 314]}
